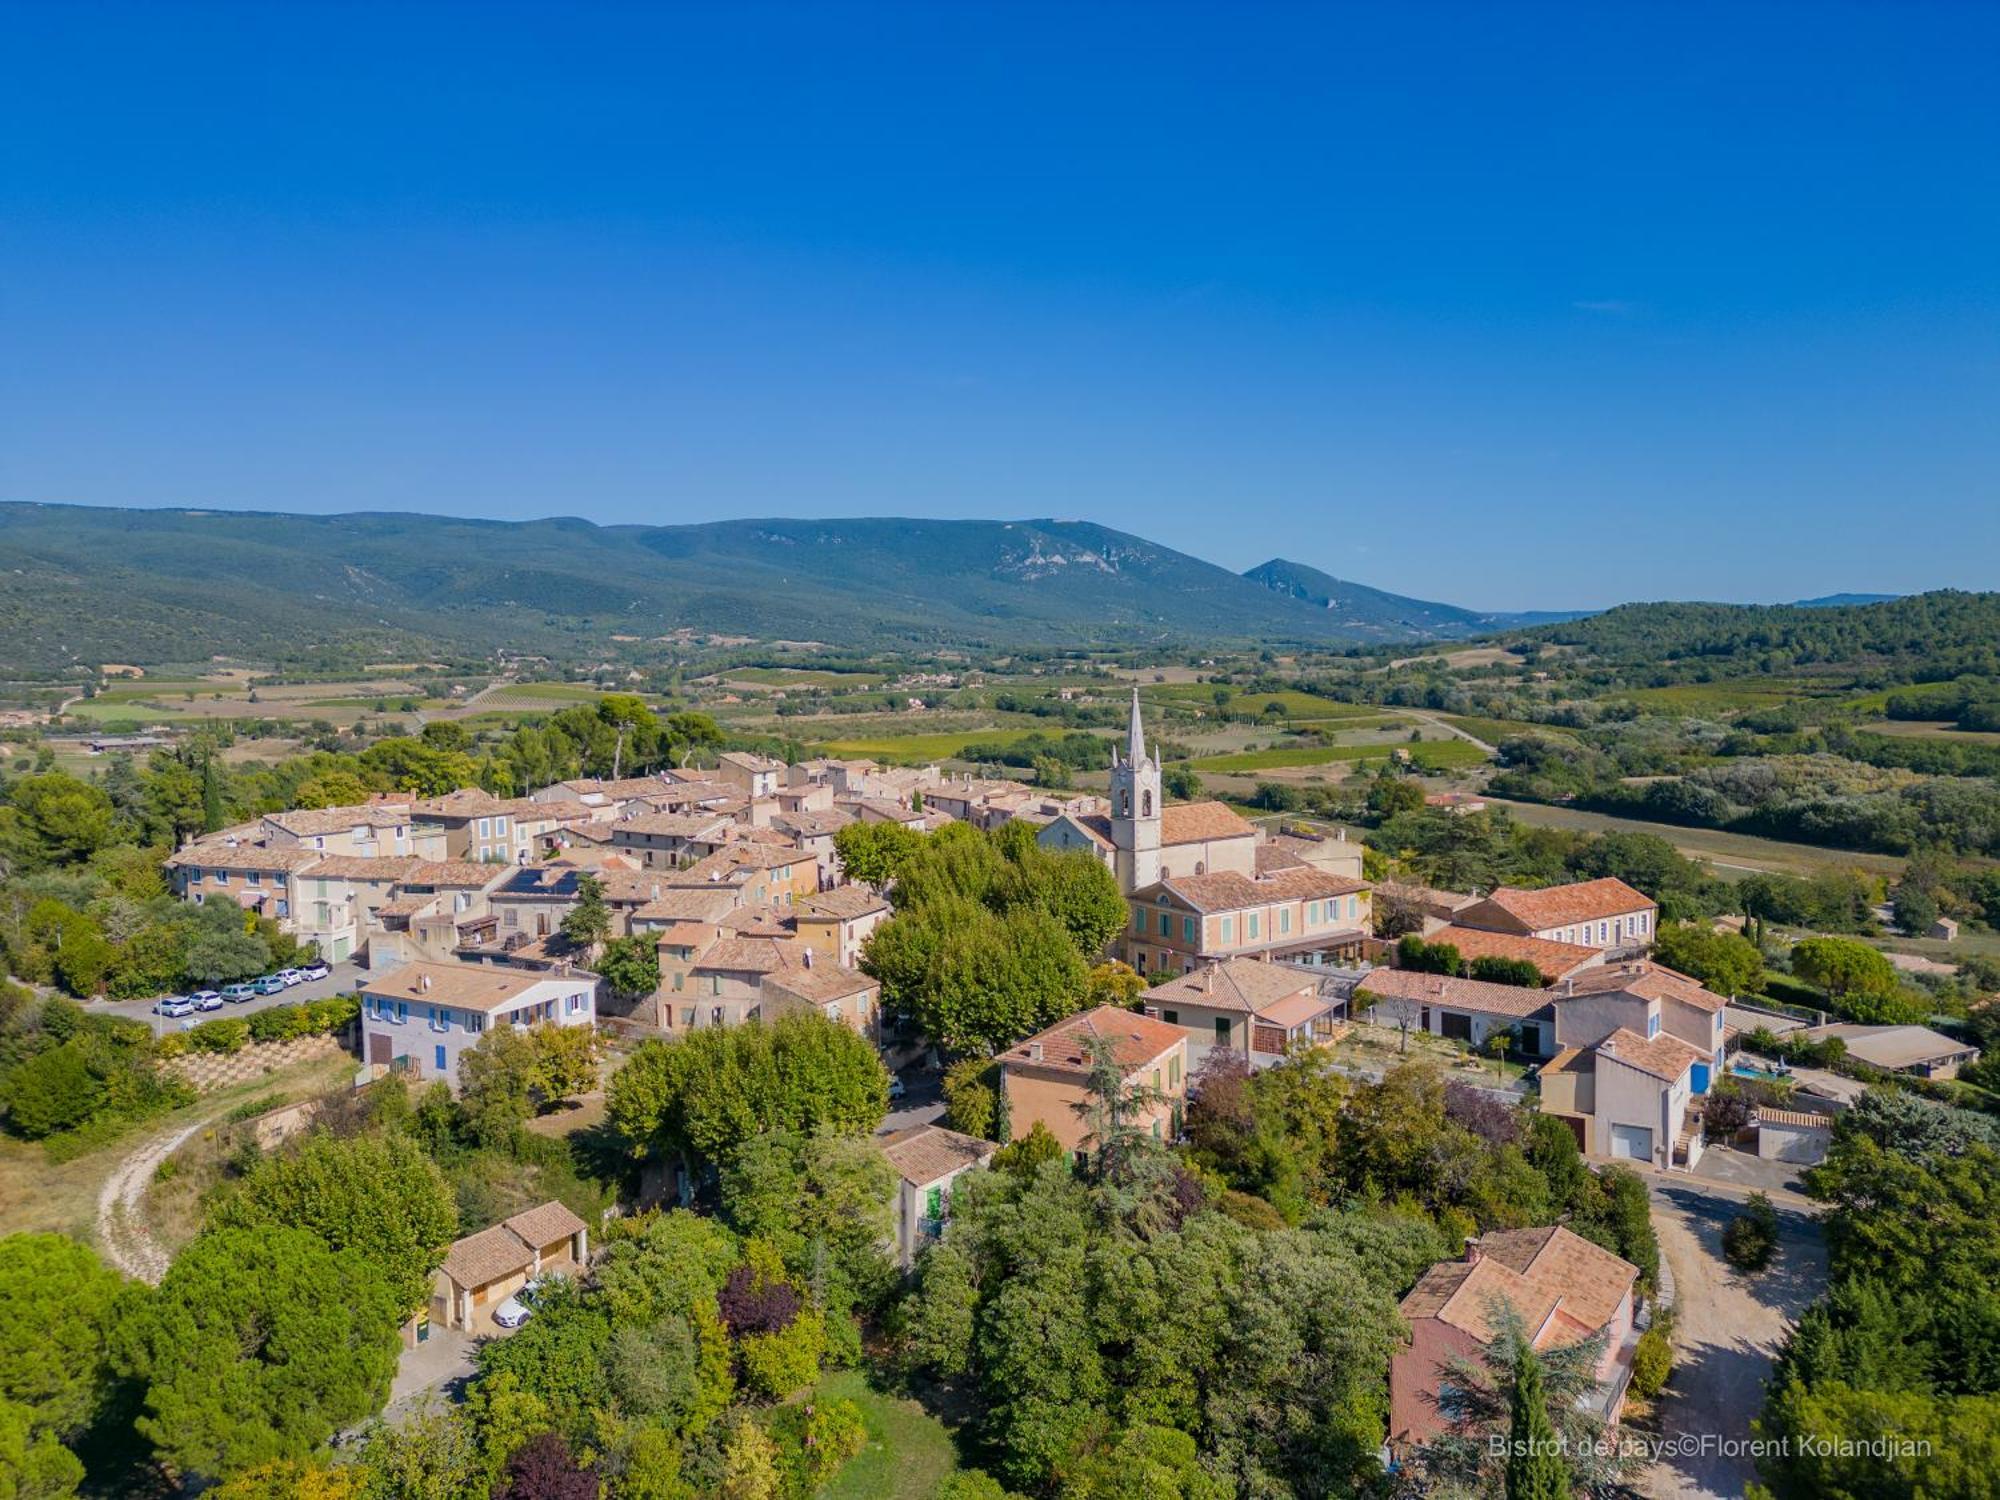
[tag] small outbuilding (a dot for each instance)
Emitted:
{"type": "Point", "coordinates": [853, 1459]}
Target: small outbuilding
{"type": "Point", "coordinates": [483, 1270]}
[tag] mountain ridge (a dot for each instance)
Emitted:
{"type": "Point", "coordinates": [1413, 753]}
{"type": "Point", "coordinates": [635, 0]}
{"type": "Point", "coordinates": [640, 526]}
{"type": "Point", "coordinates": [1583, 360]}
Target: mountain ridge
{"type": "Point", "coordinates": [80, 584]}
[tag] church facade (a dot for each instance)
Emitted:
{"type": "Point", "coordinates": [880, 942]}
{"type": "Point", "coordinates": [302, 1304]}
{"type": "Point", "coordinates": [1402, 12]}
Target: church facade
{"type": "Point", "coordinates": [1201, 882]}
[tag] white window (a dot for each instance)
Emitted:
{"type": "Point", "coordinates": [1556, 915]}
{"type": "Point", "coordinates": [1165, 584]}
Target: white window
{"type": "Point", "coordinates": [486, 828]}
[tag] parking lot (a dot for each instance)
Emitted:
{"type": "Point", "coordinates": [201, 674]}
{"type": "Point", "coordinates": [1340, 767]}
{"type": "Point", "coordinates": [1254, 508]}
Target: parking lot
{"type": "Point", "coordinates": [344, 980]}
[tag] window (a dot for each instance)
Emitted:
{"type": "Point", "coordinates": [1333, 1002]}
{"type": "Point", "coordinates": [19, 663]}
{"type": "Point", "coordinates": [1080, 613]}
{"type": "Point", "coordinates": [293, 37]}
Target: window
{"type": "Point", "coordinates": [1187, 929]}
{"type": "Point", "coordinates": [1156, 1130]}
{"type": "Point", "coordinates": [934, 1202]}
{"type": "Point", "coordinates": [1353, 907]}
{"type": "Point", "coordinates": [1250, 926]}
{"type": "Point", "coordinates": [1222, 1030]}
{"type": "Point", "coordinates": [1156, 1080]}
{"type": "Point", "coordinates": [486, 828]}
{"type": "Point", "coordinates": [575, 1004]}
{"type": "Point", "coordinates": [1284, 919]}
{"type": "Point", "coordinates": [222, 877]}
{"type": "Point", "coordinates": [1653, 1025]}
{"type": "Point", "coordinates": [1228, 931]}
{"type": "Point", "coordinates": [1171, 1017]}
{"type": "Point", "coordinates": [1173, 1067]}
{"type": "Point", "coordinates": [677, 982]}
{"type": "Point", "coordinates": [715, 987]}
{"type": "Point", "coordinates": [1139, 919]}
{"type": "Point", "coordinates": [1312, 914]}
{"type": "Point", "coordinates": [402, 1011]}
{"type": "Point", "coordinates": [474, 1022]}
{"type": "Point", "coordinates": [440, 1057]}
{"type": "Point", "coordinates": [1166, 925]}
{"type": "Point", "coordinates": [1146, 804]}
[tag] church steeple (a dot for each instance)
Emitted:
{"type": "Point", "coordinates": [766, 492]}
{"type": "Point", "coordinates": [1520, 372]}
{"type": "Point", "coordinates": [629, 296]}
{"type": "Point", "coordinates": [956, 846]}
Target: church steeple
{"type": "Point", "coordinates": [1135, 809]}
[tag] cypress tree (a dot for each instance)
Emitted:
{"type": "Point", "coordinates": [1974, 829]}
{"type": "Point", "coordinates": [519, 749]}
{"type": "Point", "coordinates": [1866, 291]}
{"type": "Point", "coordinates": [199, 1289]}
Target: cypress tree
{"type": "Point", "coordinates": [1535, 1467]}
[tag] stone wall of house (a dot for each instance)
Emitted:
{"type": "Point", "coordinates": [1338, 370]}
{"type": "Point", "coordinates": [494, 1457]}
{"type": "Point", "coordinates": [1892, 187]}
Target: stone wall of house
{"type": "Point", "coordinates": [209, 1071]}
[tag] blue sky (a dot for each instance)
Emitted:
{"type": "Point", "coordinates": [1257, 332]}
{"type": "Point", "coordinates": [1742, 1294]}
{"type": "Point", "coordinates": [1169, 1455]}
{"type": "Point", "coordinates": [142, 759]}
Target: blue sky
{"type": "Point", "coordinates": [1506, 305]}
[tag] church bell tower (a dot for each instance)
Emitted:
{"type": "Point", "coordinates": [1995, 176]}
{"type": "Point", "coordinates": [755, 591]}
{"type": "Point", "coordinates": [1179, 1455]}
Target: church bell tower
{"type": "Point", "coordinates": [1135, 809]}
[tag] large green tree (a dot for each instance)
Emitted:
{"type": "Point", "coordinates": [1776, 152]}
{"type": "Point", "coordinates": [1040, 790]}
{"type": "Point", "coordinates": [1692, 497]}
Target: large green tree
{"type": "Point", "coordinates": [259, 1344]}
{"type": "Point", "coordinates": [58, 1303]}
{"type": "Point", "coordinates": [377, 1195]}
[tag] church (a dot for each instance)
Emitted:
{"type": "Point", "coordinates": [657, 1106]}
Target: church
{"type": "Point", "coordinates": [1205, 885]}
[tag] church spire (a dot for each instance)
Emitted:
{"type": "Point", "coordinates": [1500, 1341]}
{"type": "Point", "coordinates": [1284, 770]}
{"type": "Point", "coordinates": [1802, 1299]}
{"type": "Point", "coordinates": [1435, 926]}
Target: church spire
{"type": "Point", "coordinates": [1135, 737]}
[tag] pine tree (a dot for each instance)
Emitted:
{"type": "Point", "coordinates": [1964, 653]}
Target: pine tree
{"type": "Point", "coordinates": [1535, 1467]}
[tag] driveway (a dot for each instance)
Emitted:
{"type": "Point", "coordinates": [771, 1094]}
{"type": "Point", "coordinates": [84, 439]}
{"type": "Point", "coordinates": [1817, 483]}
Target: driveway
{"type": "Point", "coordinates": [922, 1104]}
{"type": "Point", "coordinates": [345, 979]}
{"type": "Point", "coordinates": [1727, 1331]}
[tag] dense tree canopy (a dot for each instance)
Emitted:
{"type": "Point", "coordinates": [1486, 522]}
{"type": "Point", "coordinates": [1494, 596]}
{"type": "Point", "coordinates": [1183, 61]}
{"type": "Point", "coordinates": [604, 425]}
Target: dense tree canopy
{"type": "Point", "coordinates": [259, 1345]}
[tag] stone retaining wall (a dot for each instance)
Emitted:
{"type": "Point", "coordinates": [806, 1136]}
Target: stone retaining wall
{"type": "Point", "coordinates": [209, 1071]}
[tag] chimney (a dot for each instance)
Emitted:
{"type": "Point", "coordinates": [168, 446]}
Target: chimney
{"type": "Point", "coordinates": [809, 958]}
{"type": "Point", "coordinates": [1472, 1251]}
{"type": "Point", "coordinates": [424, 982]}
{"type": "Point", "coordinates": [1034, 1052]}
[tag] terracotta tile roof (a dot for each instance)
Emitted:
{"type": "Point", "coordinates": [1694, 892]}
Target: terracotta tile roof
{"type": "Point", "coordinates": [486, 1256]}
{"type": "Point", "coordinates": [671, 825]}
{"type": "Point", "coordinates": [629, 786]}
{"type": "Point", "coordinates": [684, 934]}
{"type": "Point", "coordinates": [1135, 1041]}
{"type": "Point", "coordinates": [842, 903]}
{"type": "Point", "coordinates": [404, 906]}
{"type": "Point", "coordinates": [678, 904]}
{"type": "Point", "coordinates": [1236, 984]}
{"type": "Point", "coordinates": [1555, 960]}
{"type": "Point", "coordinates": [759, 921]}
{"type": "Point", "coordinates": [1665, 1057]}
{"type": "Point", "coordinates": [1225, 890]}
{"type": "Point", "coordinates": [1562, 1285]}
{"type": "Point", "coordinates": [1096, 826]}
{"type": "Point", "coordinates": [390, 867]}
{"type": "Point", "coordinates": [924, 1153]}
{"type": "Point", "coordinates": [890, 812]}
{"type": "Point", "coordinates": [508, 1248]}
{"type": "Point", "coordinates": [751, 955]}
{"type": "Point", "coordinates": [1561, 905]}
{"type": "Point", "coordinates": [1443, 902]}
{"type": "Point", "coordinates": [1194, 822]}
{"type": "Point", "coordinates": [1511, 1000]}
{"type": "Point", "coordinates": [544, 1224]}
{"type": "Point", "coordinates": [1275, 856]}
{"type": "Point", "coordinates": [743, 760]}
{"type": "Point", "coordinates": [560, 810]}
{"type": "Point", "coordinates": [1647, 980]}
{"type": "Point", "coordinates": [483, 987]}
{"type": "Point", "coordinates": [468, 802]}
{"type": "Point", "coordinates": [456, 873]}
{"type": "Point", "coordinates": [311, 822]}
{"type": "Point", "coordinates": [821, 983]}
{"type": "Point", "coordinates": [1592, 1280]}
{"type": "Point", "coordinates": [813, 825]}
{"type": "Point", "coordinates": [1294, 1010]}
{"type": "Point", "coordinates": [242, 857]}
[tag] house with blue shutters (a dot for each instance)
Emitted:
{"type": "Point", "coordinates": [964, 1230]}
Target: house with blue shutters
{"type": "Point", "coordinates": [420, 1018]}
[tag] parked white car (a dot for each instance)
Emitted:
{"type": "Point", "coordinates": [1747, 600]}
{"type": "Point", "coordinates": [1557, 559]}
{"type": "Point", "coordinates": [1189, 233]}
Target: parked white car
{"type": "Point", "coordinates": [207, 999]}
{"type": "Point", "coordinates": [317, 969]}
{"type": "Point", "coordinates": [292, 976]}
{"type": "Point", "coordinates": [173, 1005]}
{"type": "Point", "coordinates": [518, 1308]}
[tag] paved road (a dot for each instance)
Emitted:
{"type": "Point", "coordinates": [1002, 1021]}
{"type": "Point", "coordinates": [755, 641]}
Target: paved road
{"type": "Point", "coordinates": [344, 980]}
{"type": "Point", "coordinates": [921, 1105]}
{"type": "Point", "coordinates": [1727, 1330]}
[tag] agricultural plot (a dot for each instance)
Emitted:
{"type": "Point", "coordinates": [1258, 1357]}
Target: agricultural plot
{"type": "Point", "coordinates": [1441, 755]}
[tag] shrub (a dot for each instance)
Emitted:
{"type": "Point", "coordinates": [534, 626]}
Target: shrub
{"type": "Point", "coordinates": [54, 1090]}
{"type": "Point", "coordinates": [173, 1044]}
{"type": "Point", "coordinates": [776, 1364]}
{"type": "Point", "coordinates": [228, 1035]}
{"type": "Point", "coordinates": [816, 1440]}
{"type": "Point", "coordinates": [1752, 1236]}
{"type": "Point", "coordinates": [332, 1013]}
{"type": "Point", "coordinates": [753, 1303]}
{"type": "Point", "coordinates": [1652, 1361]}
{"type": "Point", "coordinates": [279, 1024]}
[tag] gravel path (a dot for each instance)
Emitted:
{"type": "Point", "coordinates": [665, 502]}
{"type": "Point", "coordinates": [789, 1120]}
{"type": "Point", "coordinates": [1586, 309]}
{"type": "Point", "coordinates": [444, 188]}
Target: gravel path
{"type": "Point", "coordinates": [121, 1229]}
{"type": "Point", "coordinates": [1728, 1329]}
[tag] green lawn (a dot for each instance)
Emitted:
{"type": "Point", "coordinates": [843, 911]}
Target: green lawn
{"type": "Point", "coordinates": [909, 1451]}
{"type": "Point", "coordinates": [1438, 754]}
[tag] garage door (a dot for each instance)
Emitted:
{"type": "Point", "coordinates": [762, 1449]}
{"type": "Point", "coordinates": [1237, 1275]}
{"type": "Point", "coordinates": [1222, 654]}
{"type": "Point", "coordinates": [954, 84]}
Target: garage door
{"type": "Point", "coordinates": [1632, 1142]}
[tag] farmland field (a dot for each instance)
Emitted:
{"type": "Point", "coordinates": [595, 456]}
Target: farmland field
{"type": "Point", "coordinates": [1297, 705]}
{"type": "Point", "coordinates": [556, 694]}
{"type": "Point", "coordinates": [919, 747]}
{"type": "Point", "coordinates": [1493, 731]}
{"type": "Point", "coordinates": [1929, 729]}
{"type": "Point", "coordinates": [1430, 754]}
{"type": "Point", "coordinates": [1719, 697]}
{"type": "Point", "coordinates": [783, 677]}
{"type": "Point", "coordinates": [1730, 853]}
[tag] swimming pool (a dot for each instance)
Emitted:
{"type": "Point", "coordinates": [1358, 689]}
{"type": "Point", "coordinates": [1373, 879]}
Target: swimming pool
{"type": "Point", "coordinates": [1744, 1070]}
